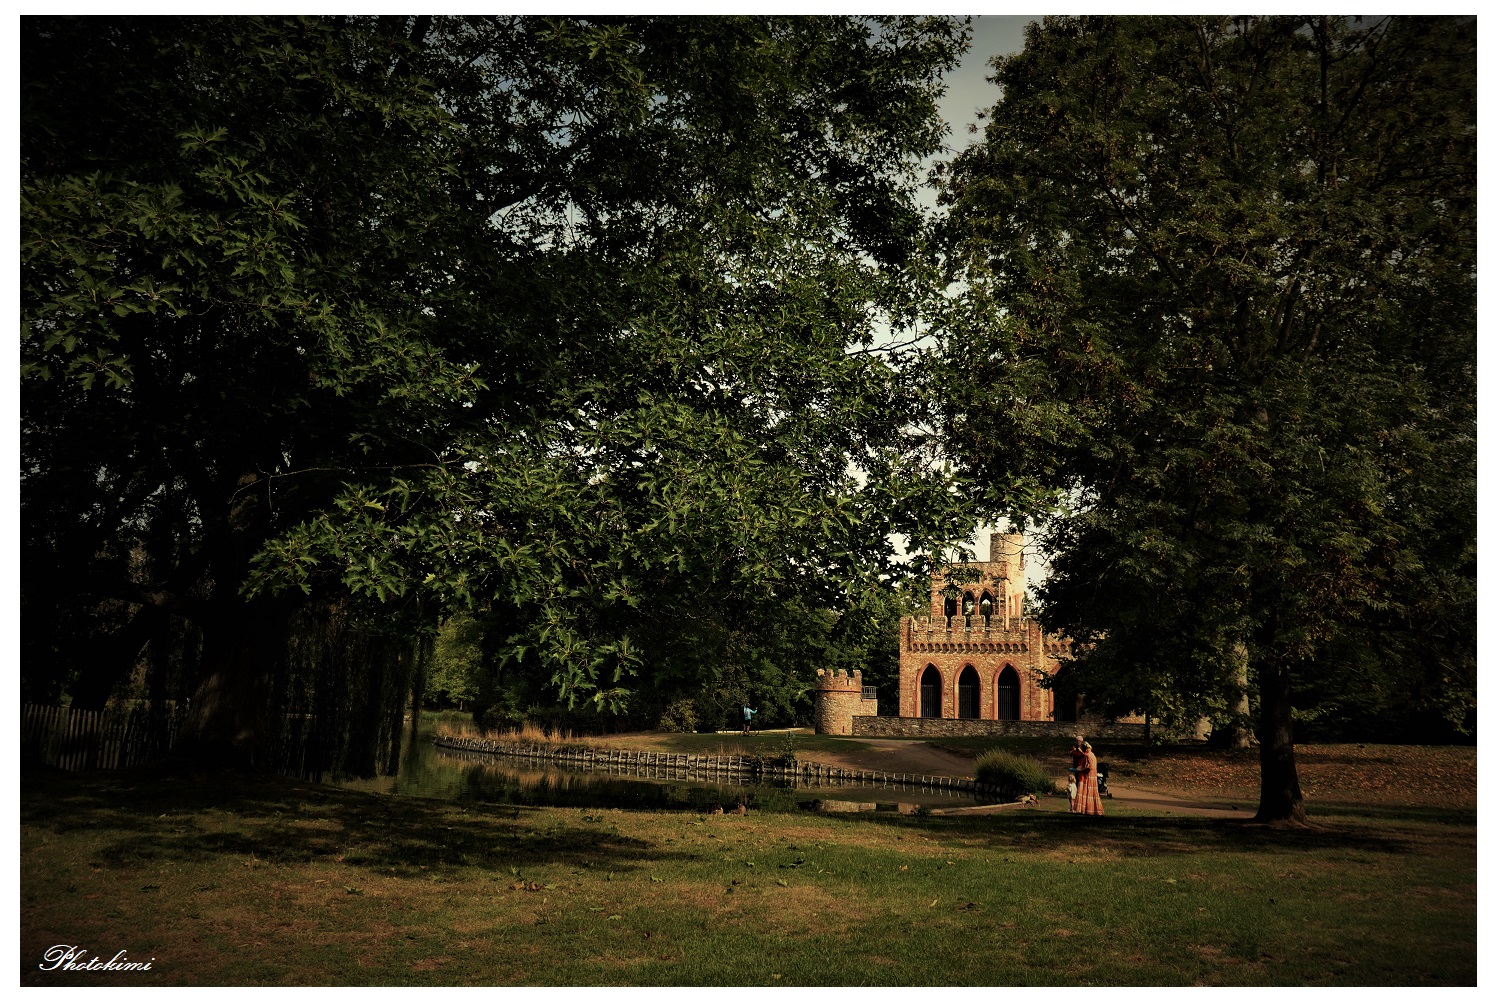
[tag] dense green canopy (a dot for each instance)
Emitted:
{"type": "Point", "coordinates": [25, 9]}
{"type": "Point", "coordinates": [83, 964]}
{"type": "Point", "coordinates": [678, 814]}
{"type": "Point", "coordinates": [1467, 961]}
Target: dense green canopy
{"type": "Point", "coordinates": [575, 322]}
{"type": "Point", "coordinates": [1222, 286]}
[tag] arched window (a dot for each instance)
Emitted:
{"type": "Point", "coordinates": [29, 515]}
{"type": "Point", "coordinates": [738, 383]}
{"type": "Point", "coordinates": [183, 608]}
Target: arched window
{"type": "Point", "coordinates": [968, 603]}
{"type": "Point", "coordinates": [968, 693]}
{"type": "Point", "coordinates": [1008, 694]}
{"type": "Point", "coordinates": [986, 605]}
{"type": "Point", "coordinates": [932, 693]}
{"type": "Point", "coordinates": [950, 607]}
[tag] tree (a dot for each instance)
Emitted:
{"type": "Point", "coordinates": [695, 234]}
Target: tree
{"type": "Point", "coordinates": [1222, 277]}
{"type": "Point", "coordinates": [456, 662]}
{"type": "Point", "coordinates": [571, 323]}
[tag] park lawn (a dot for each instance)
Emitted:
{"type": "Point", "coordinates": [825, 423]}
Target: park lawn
{"type": "Point", "coordinates": [250, 881]}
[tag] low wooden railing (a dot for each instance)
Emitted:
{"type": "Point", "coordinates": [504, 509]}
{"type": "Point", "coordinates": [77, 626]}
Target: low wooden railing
{"type": "Point", "coordinates": [78, 739]}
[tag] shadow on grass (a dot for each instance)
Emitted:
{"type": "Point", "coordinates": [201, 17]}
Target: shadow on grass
{"type": "Point", "coordinates": [1150, 836]}
{"type": "Point", "coordinates": [159, 815]}
{"type": "Point", "coordinates": [1394, 814]}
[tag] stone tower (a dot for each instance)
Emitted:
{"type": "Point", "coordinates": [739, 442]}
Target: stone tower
{"type": "Point", "coordinates": [1008, 558]}
{"type": "Point", "coordinates": [837, 699]}
{"type": "Point", "coordinates": [976, 655]}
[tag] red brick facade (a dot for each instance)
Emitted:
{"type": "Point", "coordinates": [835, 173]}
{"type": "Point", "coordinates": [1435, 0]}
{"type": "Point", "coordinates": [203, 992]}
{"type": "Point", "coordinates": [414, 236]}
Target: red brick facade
{"type": "Point", "coordinates": [985, 655]}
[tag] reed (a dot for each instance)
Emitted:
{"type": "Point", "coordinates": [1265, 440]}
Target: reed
{"type": "Point", "coordinates": [527, 733]}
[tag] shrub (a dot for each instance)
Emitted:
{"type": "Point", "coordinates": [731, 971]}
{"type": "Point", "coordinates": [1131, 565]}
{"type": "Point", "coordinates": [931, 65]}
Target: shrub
{"type": "Point", "coordinates": [1013, 775]}
{"type": "Point", "coordinates": [680, 716]}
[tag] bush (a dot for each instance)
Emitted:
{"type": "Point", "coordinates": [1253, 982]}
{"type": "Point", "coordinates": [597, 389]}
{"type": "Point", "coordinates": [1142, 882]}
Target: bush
{"type": "Point", "coordinates": [1013, 775]}
{"type": "Point", "coordinates": [680, 716]}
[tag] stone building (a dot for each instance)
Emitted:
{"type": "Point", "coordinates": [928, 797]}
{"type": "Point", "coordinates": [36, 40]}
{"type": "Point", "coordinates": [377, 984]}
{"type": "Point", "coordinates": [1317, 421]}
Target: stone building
{"type": "Point", "coordinates": [976, 655]}
{"type": "Point", "coordinates": [971, 666]}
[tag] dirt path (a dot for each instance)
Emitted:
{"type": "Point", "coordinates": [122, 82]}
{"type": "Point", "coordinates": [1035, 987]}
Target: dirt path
{"type": "Point", "coordinates": [916, 757]}
{"type": "Point", "coordinates": [923, 759]}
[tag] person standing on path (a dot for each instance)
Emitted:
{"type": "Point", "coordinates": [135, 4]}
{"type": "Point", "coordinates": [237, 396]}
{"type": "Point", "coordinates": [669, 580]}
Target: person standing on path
{"type": "Point", "coordinates": [748, 713]}
{"type": "Point", "coordinates": [1088, 800]}
{"type": "Point", "coordinates": [1075, 771]}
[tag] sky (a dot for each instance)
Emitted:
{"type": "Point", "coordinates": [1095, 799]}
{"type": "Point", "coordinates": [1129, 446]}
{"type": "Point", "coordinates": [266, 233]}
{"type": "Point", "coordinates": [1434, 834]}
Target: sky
{"type": "Point", "coordinates": [969, 92]}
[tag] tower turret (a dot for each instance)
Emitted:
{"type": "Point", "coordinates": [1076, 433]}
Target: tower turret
{"type": "Point", "coordinates": [1008, 557]}
{"type": "Point", "coordinates": [837, 699]}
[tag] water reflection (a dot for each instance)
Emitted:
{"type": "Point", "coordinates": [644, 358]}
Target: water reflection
{"type": "Point", "coordinates": [443, 773]}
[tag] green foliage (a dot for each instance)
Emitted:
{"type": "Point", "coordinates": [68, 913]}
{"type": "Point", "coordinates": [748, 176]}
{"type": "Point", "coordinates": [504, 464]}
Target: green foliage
{"type": "Point", "coordinates": [580, 327]}
{"type": "Point", "coordinates": [1014, 775]}
{"type": "Point", "coordinates": [680, 716]}
{"type": "Point", "coordinates": [1222, 277]}
{"type": "Point", "coordinates": [453, 675]}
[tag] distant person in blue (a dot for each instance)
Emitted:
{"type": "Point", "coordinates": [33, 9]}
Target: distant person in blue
{"type": "Point", "coordinates": [748, 713]}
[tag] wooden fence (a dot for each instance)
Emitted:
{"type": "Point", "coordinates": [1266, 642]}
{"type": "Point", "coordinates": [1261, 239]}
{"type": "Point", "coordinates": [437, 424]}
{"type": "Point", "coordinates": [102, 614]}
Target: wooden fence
{"type": "Point", "coordinates": [302, 746]}
{"type": "Point", "coordinates": [717, 768]}
{"type": "Point", "coordinates": [78, 740]}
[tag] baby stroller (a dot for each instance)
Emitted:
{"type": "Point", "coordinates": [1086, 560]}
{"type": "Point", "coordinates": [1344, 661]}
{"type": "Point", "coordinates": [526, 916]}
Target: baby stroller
{"type": "Point", "coordinates": [1103, 778]}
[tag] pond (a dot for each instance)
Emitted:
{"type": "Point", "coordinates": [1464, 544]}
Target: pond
{"type": "Point", "coordinates": [443, 773]}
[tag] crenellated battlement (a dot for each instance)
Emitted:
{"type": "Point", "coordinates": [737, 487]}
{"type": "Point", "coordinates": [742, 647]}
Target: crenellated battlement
{"type": "Point", "coordinates": [839, 681]}
{"type": "Point", "coordinates": [976, 658]}
{"type": "Point", "coordinates": [972, 623]}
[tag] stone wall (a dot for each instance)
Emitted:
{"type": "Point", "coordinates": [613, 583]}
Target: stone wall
{"type": "Point", "coordinates": [987, 645]}
{"type": "Point", "coordinates": [916, 726]}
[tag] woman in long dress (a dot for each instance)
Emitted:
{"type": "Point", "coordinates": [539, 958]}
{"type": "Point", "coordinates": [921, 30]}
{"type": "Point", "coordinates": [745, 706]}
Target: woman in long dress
{"type": "Point", "coordinates": [1088, 784]}
{"type": "Point", "coordinates": [1075, 772]}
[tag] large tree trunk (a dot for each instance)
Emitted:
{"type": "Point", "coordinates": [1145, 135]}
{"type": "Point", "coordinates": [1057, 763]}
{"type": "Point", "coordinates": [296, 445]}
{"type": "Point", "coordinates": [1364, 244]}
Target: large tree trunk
{"type": "Point", "coordinates": [1280, 793]}
{"type": "Point", "coordinates": [229, 710]}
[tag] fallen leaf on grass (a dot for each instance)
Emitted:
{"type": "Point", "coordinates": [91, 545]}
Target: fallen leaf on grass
{"type": "Point", "coordinates": [781, 882]}
{"type": "Point", "coordinates": [354, 890]}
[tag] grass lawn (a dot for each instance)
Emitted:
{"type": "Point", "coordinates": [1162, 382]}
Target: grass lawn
{"type": "Point", "coordinates": [248, 881]}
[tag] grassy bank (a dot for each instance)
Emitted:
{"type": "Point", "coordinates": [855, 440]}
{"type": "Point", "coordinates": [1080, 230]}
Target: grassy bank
{"type": "Point", "coordinates": [253, 882]}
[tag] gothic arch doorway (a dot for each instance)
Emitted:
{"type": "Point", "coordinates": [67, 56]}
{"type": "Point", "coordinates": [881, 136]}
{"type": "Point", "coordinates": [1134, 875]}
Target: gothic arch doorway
{"type": "Point", "coordinates": [1008, 694]}
{"type": "Point", "coordinates": [968, 693]}
{"type": "Point", "coordinates": [931, 693]}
